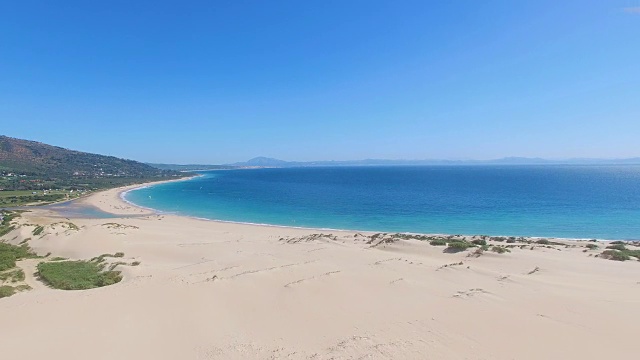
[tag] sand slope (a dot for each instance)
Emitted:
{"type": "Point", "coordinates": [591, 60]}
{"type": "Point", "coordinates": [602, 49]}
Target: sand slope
{"type": "Point", "coordinates": [209, 290]}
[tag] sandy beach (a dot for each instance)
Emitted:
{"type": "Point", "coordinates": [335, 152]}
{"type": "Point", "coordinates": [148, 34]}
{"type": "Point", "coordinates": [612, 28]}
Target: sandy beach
{"type": "Point", "coordinates": [213, 290]}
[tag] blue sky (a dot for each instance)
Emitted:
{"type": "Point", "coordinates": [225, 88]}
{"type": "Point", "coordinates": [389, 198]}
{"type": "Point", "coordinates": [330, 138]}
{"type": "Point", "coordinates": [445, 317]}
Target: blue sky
{"type": "Point", "coordinates": [223, 81]}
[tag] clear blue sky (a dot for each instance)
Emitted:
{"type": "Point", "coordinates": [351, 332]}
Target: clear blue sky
{"type": "Point", "coordinates": [222, 81]}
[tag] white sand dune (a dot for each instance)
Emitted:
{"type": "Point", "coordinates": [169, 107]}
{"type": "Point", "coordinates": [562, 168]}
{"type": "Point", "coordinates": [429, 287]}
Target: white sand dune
{"type": "Point", "coordinates": [211, 290]}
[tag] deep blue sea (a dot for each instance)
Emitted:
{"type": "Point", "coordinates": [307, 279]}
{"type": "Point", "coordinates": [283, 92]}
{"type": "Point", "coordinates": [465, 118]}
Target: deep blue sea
{"type": "Point", "coordinates": [549, 201]}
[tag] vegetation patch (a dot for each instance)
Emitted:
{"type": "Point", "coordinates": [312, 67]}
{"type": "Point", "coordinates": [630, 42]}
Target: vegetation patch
{"type": "Point", "coordinates": [9, 254]}
{"type": "Point", "coordinates": [410, 236]}
{"type": "Point", "coordinates": [38, 230]}
{"type": "Point", "coordinates": [500, 250]}
{"type": "Point", "coordinates": [20, 198]}
{"type": "Point", "coordinates": [77, 275]}
{"type": "Point", "coordinates": [6, 291]}
{"type": "Point", "coordinates": [115, 264]}
{"type": "Point", "coordinates": [112, 225]}
{"type": "Point", "coordinates": [7, 217]}
{"type": "Point", "coordinates": [480, 242]}
{"type": "Point", "coordinates": [68, 225]}
{"type": "Point", "coordinates": [449, 265]}
{"type": "Point", "coordinates": [102, 257]}
{"type": "Point", "coordinates": [13, 276]}
{"type": "Point", "coordinates": [457, 246]}
{"type": "Point", "coordinates": [615, 255]}
{"type": "Point", "coordinates": [619, 252]}
{"type": "Point", "coordinates": [592, 246]}
{"type": "Point", "coordinates": [438, 242]}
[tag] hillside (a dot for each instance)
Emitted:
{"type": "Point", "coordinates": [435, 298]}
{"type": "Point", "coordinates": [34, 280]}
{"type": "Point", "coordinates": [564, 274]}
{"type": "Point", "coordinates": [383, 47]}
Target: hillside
{"type": "Point", "coordinates": [34, 158]}
{"type": "Point", "coordinates": [31, 165]}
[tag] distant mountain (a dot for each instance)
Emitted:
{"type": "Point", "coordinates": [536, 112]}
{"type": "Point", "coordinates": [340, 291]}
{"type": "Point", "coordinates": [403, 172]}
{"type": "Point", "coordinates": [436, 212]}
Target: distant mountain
{"type": "Point", "coordinates": [264, 162]}
{"type": "Point", "coordinates": [37, 159]}
{"type": "Point", "coordinates": [190, 167]}
{"type": "Point", "coordinates": [270, 162]}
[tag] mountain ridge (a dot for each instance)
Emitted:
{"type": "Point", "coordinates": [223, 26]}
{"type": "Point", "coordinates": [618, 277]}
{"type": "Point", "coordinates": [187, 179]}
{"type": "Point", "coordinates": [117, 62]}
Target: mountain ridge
{"type": "Point", "coordinates": [272, 162]}
{"type": "Point", "coordinates": [32, 165]}
{"type": "Point", "coordinates": [36, 158]}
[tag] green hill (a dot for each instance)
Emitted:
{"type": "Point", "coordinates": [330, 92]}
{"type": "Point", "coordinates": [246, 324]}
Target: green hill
{"type": "Point", "coordinates": [31, 165]}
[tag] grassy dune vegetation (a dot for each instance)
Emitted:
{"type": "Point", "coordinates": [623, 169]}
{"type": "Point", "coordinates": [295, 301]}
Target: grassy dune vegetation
{"type": "Point", "coordinates": [9, 254]}
{"type": "Point", "coordinates": [619, 252]}
{"type": "Point", "coordinates": [11, 277]}
{"type": "Point", "coordinates": [6, 217]}
{"type": "Point", "coordinates": [77, 275]}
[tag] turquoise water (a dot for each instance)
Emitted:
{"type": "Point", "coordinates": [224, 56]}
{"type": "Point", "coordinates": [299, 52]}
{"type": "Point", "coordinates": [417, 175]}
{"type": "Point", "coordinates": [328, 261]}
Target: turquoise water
{"type": "Point", "coordinates": [551, 201]}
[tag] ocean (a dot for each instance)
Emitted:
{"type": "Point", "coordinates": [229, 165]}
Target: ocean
{"type": "Point", "coordinates": [544, 201]}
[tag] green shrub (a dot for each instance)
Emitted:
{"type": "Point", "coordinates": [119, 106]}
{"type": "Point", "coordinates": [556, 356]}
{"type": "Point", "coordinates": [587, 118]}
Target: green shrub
{"type": "Point", "coordinates": [20, 252]}
{"type": "Point", "coordinates": [7, 217]}
{"type": "Point", "coordinates": [457, 246]}
{"type": "Point", "coordinates": [438, 242]}
{"type": "Point", "coordinates": [511, 240]}
{"type": "Point", "coordinates": [10, 253]}
{"type": "Point", "coordinates": [38, 230]}
{"type": "Point", "coordinates": [620, 247]}
{"type": "Point", "coordinates": [614, 255]}
{"type": "Point", "coordinates": [7, 261]}
{"type": "Point", "coordinates": [542, 242]}
{"type": "Point", "coordinates": [4, 230]}
{"type": "Point", "coordinates": [479, 242]}
{"type": "Point", "coordinates": [500, 249]}
{"type": "Point", "coordinates": [6, 291]}
{"type": "Point", "coordinates": [13, 276]}
{"type": "Point", "coordinates": [100, 258]}
{"type": "Point", "coordinates": [76, 275]}
{"type": "Point", "coordinates": [18, 275]}
{"type": "Point", "coordinates": [634, 253]}
{"type": "Point", "coordinates": [592, 246]}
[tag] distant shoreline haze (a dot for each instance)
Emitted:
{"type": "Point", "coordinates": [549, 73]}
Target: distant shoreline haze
{"type": "Point", "coordinates": [271, 162]}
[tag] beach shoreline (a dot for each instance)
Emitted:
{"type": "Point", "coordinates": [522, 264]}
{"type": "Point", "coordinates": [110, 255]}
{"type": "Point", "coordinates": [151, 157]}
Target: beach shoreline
{"type": "Point", "coordinates": [206, 289]}
{"type": "Point", "coordinates": [122, 191]}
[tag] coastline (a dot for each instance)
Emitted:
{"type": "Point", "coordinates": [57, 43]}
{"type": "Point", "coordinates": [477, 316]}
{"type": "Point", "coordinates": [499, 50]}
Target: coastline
{"type": "Point", "coordinates": [122, 191]}
{"type": "Point", "coordinates": [206, 289]}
